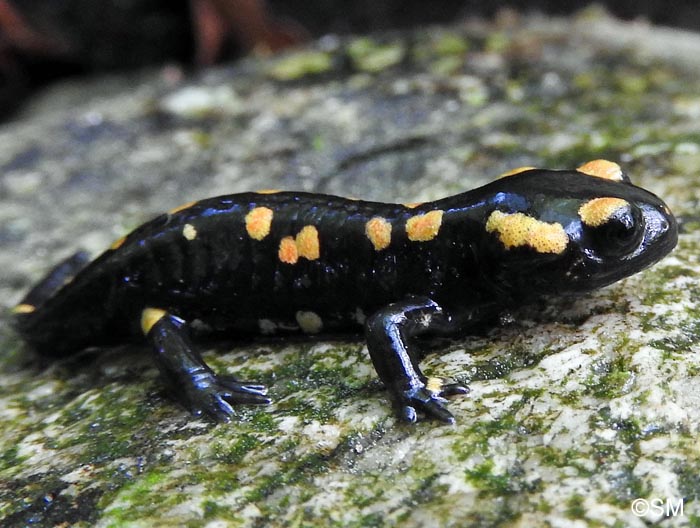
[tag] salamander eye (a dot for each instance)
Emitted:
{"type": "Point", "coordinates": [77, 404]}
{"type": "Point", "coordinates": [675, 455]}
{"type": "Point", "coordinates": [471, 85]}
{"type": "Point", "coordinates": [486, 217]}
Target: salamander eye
{"type": "Point", "coordinates": [614, 226]}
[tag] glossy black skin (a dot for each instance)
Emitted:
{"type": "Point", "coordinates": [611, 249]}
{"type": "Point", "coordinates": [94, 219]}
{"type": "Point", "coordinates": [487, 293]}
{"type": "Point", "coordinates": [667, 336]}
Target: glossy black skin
{"type": "Point", "coordinates": [229, 281]}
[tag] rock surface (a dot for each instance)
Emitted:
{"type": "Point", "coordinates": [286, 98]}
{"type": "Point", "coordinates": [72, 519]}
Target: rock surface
{"type": "Point", "coordinates": [575, 411]}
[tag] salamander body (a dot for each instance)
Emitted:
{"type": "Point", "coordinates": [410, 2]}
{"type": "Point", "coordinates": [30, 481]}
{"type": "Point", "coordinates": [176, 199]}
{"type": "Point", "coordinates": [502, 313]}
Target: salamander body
{"type": "Point", "coordinates": [279, 261]}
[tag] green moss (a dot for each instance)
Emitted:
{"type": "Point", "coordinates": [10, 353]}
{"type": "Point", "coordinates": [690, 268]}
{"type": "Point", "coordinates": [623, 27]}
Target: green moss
{"type": "Point", "coordinates": [13, 355]}
{"type": "Point", "coordinates": [444, 54]}
{"type": "Point", "coordinates": [9, 458]}
{"type": "Point", "coordinates": [301, 64]}
{"type": "Point", "coordinates": [625, 486]}
{"type": "Point", "coordinates": [575, 508]}
{"type": "Point", "coordinates": [146, 496]}
{"type": "Point", "coordinates": [263, 421]}
{"type": "Point", "coordinates": [370, 56]}
{"type": "Point", "coordinates": [497, 42]}
{"type": "Point", "coordinates": [371, 520]}
{"type": "Point", "coordinates": [318, 143]}
{"type": "Point", "coordinates": [474, 439]}
{"type": "Point", "coordinates": [689, 478]}
{"type": "Point", "coordinates": [631, 84]}
{"type": "Point", "coordinates": [292, 472]}
{"type": "Point", "coordinates": [234, 452]}
{"type": "Point", "coordinates": [107, 420]}
{"type": "Point", "coordinates": [557, 458]}
{"type": "Point", "coordinates": [684, 337]}
{"type": "Point", "coordinates": [213, 510]}
{"type": "Point", "coordinates": [655, 288]}
{"type": "Point", "coordinates": [202, 139]}
{"type": "Point", "coordinates": [448, 65]}
{"type": "Point", "coordinates": [450, 44]}
{"type": "Point", "coordinates": [609, 378]}
{"type": "Point", "coordinates": [483, 477]}
{"type": "Point", "coordinates": [516, 358]}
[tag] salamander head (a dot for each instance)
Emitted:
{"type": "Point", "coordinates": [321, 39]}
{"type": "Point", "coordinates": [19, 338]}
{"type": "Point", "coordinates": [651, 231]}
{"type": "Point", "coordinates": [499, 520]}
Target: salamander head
{"type": "Point", "coordinates": [569, 231]}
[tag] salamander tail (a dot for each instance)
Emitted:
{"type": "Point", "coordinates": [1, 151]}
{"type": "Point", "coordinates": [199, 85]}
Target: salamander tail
{"type": "Point", "coordinates": [64, 272]}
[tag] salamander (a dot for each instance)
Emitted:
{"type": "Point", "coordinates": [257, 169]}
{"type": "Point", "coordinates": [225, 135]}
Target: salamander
{"type": "Point", "coordinates": [273, 261]}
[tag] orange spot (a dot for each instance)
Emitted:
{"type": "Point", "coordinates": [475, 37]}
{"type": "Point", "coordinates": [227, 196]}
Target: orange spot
{"type": "Point", "coordinates": [268, 191]}
{"type": "Point", "coordinates": [118, 243]}
{"type": "Point", "coordinates": [258, 222]}
{"type": "Point", "coordinates": [602, 169]}
{"type": "Point", "coordinates": [307, 243]}
{"type": "Point", "coordinates": [599, 211]}
{"type": "Point", "coordinates": [518, 229]}
{"type": "Point", "coordinates": [378, 230]}
{"type": "Point", "coordinates": [149, 317]}
{"type": "Point", "coordinates": [23, 309]}
{"type": "Point", "coordinates": [424, 227]}
{"type": "Point", "coordinates": [181, 207]}
{"type": "Point", "coordinates": [412, 205]}
{"type": "Point", "coordinates": [434, 385]}
{"type": "Point", "coordinates": [287, 252]}
{"type": "Point", "coordinates": [513, 172]}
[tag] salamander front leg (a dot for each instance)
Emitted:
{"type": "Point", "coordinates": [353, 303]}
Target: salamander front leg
{"type": "Point", "coordinates": [188, 377]}
{"type": "Point", "coordinates": [395, 357]}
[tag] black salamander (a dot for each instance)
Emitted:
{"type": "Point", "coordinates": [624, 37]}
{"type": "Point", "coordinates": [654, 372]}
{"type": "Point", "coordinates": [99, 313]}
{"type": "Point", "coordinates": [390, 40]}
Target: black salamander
{"type": "Point", "coordinates": [276, 260]}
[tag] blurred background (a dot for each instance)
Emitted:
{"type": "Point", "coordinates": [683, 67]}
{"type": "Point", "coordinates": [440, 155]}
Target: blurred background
{"type": "Point", "coordinates": [45, 40]}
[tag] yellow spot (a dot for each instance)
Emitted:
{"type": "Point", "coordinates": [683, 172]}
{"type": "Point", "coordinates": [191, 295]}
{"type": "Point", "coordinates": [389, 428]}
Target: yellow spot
{"type": "Point", "coordinates": [424, 227]}
{"type": "Point", "coordinates": [23, 308]}
{"type": "Point", "coordinates": [513, 172]}
{"type": "Point", "coordinates": [181, 207]}
{"type": "Point", "coordinates": [118, 243]}
{"type": "Point", "coordinates": [378, 230]}
{"type": "Point", "coordinates": [258, 221]}
{"type": "Point", "coordinates": [602, 169]}
{"type": "Point", "coordinates": [268, 191]}
{"type": "Point", "coordinates": [518, 229]}
{"type": "Point", "coordinates": [189, 232]}
{"type": "Point", "coordinates": [309, 322]}
{"type": "Point", "coordinates": [434, 385]}
{"type": "Point", "coordinates": [412, 205]}
{"type": "Point", "coordinates": [149, 317]}
{"type": "Point", "coordinates": [599, 211]}
{"type": "Point", "coordinates": [287, 252]}
{"type": "Point", "coordinates": [307, 243]}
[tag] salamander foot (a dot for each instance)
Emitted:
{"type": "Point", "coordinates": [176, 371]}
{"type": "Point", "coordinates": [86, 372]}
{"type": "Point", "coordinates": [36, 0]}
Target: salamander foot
{"type": "Point", "coordinates": [430, 402]}
{"type": "Point", "coordinates": [215, 396]}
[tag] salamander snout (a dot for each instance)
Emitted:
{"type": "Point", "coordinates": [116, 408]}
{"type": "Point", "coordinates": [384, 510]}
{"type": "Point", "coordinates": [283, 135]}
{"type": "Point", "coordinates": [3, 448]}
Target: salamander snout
{"type": "Point", "coordinates": [622, 237]}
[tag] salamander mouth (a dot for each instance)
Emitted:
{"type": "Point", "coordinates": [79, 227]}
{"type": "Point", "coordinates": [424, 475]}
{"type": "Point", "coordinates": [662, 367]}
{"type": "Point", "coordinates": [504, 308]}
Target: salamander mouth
{"type": "Point", "coordinates": [660, 235]}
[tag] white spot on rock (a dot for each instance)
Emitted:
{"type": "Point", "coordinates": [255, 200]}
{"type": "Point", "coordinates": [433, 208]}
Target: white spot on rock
{"type": "Point", "coordinates": [309, 322]}
{"type": "Point", "coordinates": [267, 326]}
{"type": "Point", "coordinates": [195, 101]}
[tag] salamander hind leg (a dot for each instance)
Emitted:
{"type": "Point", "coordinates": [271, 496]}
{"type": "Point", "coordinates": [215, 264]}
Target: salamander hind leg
{"type": "Point", "coordinates": [188, 377]}
{"type": "Point", "coordinates": [390, 333]}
